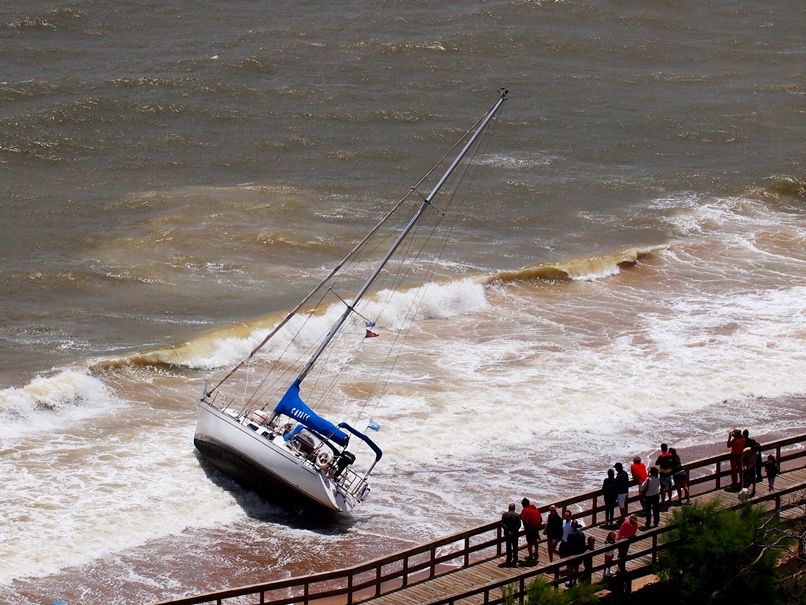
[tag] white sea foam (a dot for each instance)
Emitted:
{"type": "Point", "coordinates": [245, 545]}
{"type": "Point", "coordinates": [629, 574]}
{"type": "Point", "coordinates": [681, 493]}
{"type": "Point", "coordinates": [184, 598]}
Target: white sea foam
{"type": "Point", "coordinates": [388, 308]}
{"type": "Point", "coordinates": [48, 402]}
{"type": "Point", "coordinates": [97, 492]}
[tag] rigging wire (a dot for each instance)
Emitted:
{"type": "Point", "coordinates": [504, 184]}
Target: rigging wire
{"type": "Point", "coordinates": [406, 269]}
{"type": "Point", "coordinates": [395, 349]}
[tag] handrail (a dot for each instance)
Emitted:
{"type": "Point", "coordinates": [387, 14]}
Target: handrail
{"type": "Point", "coordinates": [459, 550]}
{"type": "Point", "coordinates": [648, 536]}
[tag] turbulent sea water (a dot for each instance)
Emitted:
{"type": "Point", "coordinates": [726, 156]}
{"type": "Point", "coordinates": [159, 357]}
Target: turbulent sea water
{"type": "Point", "coordinates": [630, 266]}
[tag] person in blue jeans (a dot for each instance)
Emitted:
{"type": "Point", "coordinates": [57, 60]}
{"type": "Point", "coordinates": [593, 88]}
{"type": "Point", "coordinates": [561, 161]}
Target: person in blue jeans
{"type": "Point", "coordinates": [651, 491]}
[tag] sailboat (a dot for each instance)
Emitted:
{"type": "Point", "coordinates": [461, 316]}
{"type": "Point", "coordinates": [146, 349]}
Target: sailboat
{"type": "Point", "coordinates": [289, 453]}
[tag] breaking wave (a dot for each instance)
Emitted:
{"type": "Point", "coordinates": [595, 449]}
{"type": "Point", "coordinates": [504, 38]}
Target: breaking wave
{"type": "Point", "coordinates": [47, 401]}
{"type": "Point", "coordinates": [227, 346]}
{"type": "Point", "coordinates": [579, 269]}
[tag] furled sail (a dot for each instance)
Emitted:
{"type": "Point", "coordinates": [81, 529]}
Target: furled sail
{"type": "Point", "coordinates": [294, 407]}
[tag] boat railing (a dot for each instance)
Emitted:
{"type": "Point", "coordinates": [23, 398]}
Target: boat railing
{"type": "Point", "coordinates": [352, 481]}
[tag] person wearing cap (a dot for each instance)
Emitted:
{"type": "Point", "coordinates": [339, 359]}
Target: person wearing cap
{"type": "Point", "coordinates": [622, 488]}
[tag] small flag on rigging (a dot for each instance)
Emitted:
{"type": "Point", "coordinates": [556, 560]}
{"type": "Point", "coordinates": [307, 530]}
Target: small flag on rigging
{"type": "Point", "coordinates": [374, 425]}
{"type": "Point", "coordinates": [370, 333]}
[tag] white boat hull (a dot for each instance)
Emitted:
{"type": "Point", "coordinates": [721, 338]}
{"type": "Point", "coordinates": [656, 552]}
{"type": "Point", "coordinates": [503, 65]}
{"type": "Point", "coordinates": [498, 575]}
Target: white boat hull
{"type": "Point", "coordinates": [275, 470]}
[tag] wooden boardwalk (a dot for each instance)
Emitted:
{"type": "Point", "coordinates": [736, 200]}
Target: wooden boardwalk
{"type": "Point", "coordinates": [446, 588]}
{"type": "Point", "coordinates": [463, 568]}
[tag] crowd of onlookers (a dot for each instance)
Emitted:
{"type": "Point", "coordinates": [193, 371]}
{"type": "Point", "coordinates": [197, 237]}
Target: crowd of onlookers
{"type": "Point", "coordinates": [656, 488]}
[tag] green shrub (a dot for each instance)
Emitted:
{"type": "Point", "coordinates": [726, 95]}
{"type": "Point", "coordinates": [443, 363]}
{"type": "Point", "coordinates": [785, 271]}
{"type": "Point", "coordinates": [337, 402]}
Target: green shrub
{"type": "Point", "coordinates": [720, 556]}
{"type": "Point", "coordinates": [543, 593]}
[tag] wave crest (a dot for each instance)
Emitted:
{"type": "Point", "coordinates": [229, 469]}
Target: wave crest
{"type": "Point", "coordinates": [582, 269]}
{"type": "Point", "coordinates": [227, 346]}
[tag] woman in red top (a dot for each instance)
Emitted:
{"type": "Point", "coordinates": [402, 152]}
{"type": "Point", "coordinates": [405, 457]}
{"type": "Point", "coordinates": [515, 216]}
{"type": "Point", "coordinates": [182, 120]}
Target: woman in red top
{"type": "Point", "coordinates": [736, 446]}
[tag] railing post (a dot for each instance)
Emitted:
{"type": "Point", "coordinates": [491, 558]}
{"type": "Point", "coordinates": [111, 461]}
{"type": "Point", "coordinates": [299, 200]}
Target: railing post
{"type": "Point", "coordinates": [654, 548]}
{"type": "Point", "coordinates": [498, 541]}
{"type": "Point", "coordinates": [405, 571]}
{"type": "Point", "coordinates": [593, 509]}
{"type": "Point", "coordinates": [521, 589]}
{"type": "Point", "coordinates": [378, 580]}
{"type": "Point", "coordinates": [433, 565]}
{"type": "Point", "coordinates": [467, 551]}
{"type": "Point", "coordinates": [718, 473]}
{"type": "Point", "coordinates": [350, 588]}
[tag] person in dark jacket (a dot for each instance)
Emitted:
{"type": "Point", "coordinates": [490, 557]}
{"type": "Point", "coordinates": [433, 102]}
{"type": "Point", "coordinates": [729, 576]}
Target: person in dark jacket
{"type": "Point", "coordinates": [511, 525]}
{"type": "Point", "coordinates": [576, 546]}
{"type": "Point", "coordinates": [610, 494]}
{"type": "Point", "coordinates": [553, 531]}
{"type": "Point", "coordinates": [622, 489]}
{"type": "Point", "coordinates": [756, 447]}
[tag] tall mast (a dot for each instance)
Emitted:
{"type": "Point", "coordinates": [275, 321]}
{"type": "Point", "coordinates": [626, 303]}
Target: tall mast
{"type": "Point", "coordinates": [426, 202]}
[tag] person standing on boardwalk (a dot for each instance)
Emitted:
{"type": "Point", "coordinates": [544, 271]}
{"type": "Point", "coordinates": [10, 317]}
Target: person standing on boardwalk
{"type": "Point", "coordinates": [532, 522]}
{"type": "Point", "coordinates": [610, 495]}
{"type": "Point", "coordinates": [652, 489]}
{"type": "Point", "coordinates": [567, 527]}
{"type": "Point", "coordinates": [680, 477]}
{"type": "Point", "coordinates": [610, 554]}
{"type": "Point", "coordinates": [587, 562]}
{"type": "Point", "coordinates": [772, 470]}
{"type": "Point", "coordinates": [553, 531]}
{"type": "Point", "coordinates": [575, 545]}
{"type": "Point", "coordinates": [511, 524]}
{"type": "Point", "coordinates": [664, 464]}
{"type": "Point", "coordinates": [639, 475]}
{"type": "Point", "coordinates": [736, 446]}
{"type": "Point", "coordinates": [627, 531]}
{"type": "Point", "coordinates": [622, 489]}
{"type": "Point", "coordinates": [756, 447]}
{"type": "Point", "coordinates": [749, 469]}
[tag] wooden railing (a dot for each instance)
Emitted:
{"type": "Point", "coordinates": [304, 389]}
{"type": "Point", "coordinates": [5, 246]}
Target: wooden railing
{"type": "Point", "coordinates": [483, 543]}
{"type": "Point", "coordinates": [645, 544]}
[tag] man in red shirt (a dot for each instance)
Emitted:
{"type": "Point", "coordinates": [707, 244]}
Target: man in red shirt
{"type": "Point", "coordinates": [639, 475]}
{"type": "Point", "coordinates": [627, 530]}
{"type": "Point", "coordinates": [532, 522]}
{"type": "Point", "coordinates": [736, 446]}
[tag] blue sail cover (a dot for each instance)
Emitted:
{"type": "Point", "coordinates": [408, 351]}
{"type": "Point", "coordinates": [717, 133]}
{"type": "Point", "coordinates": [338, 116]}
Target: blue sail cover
{"type": "Point", "coordinates": [292, 406]}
